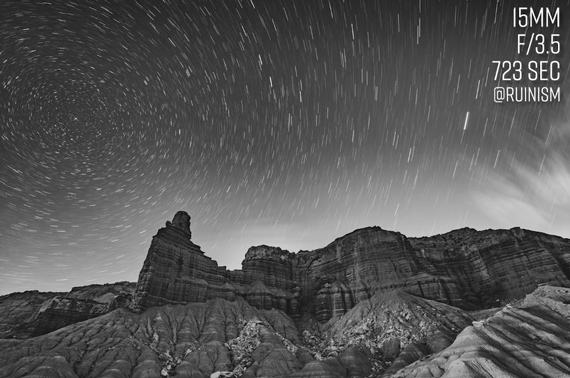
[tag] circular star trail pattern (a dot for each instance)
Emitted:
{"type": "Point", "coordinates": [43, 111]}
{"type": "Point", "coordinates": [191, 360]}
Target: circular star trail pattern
{"type": "Point", "coordinates": [286, 123]}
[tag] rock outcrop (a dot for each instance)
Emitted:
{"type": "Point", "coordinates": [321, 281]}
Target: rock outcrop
{"type": "Point", "coordinates": [18, 312]}
{"type": "Point", "coordinates": [497, 266]}
{"type": "Point", "coordinates": [528, 339]}
{"type": "Point", "coordinates": [464, 268]}
{"type": "Point", "coordinates": [393, 320]}
{"type": "Point", "coordinates": [176, 271]}
{"type": "Point", "coordinates": [33, 313]}
{"type": "Point", "coordinates": [354, 267]}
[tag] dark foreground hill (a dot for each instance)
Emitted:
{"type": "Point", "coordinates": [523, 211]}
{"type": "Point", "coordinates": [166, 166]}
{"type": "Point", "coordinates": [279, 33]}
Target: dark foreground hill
{"type": "Point", "coordinates": [463, 304]}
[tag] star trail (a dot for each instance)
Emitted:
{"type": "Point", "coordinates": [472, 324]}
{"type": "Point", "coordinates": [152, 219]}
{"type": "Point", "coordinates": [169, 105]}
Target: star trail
{"type": "Point", "coordinates": [286, 123]}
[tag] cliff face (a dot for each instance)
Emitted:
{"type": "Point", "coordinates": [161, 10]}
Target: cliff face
{"type": "Point", "coordinates": [176, 271]}
{"type": "Point", "coordinates": [194, 340]}
{"type": "Point", "coordinates": [464, 268]}
{"type": "Point", "coordinates": [495, 266]}
{"type": "Point", "coordinates": [356, 266]}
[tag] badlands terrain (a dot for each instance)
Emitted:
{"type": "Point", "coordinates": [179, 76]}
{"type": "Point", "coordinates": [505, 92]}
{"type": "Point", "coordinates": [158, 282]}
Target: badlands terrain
{"type": "Point", "coordinates": [372, 303]}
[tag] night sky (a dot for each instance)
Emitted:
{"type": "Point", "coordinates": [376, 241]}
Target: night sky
{"type": "Point", "coordinates": [286, 123]}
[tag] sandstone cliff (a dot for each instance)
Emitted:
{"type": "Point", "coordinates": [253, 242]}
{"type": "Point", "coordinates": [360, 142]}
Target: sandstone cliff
{"type": "Point", "coordinates": [194, 340]}
{"type": "Point", "coordinates": [496, 266]}
{"type": "Point", "coordinates": [464, 268]}
{"type": "Point", "coordinates": [176, 271]}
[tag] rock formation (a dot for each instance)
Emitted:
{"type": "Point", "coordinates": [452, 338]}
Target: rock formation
{"type": "Point", "coordinates": [527, 339]}
{"type": "Point", "coordinates": [33, 313]}
{"type": "Point", "coordinates": [371, 303]}
{"type": "Point", "coordinates": [464, 268]}
{"type": "Point", "coordinates": [176, 271]}
{"type": "Point", "coordinates": [18, 311]}
{"type": "Point", "coordinates": [496, 266]}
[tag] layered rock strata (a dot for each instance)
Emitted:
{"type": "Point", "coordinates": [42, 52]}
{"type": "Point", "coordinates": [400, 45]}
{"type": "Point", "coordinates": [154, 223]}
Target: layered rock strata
{"type": "Point", "coordinates": [356, 266]}
{"type": "Point", "coordinates": [464, 268]}
{"type": "Point", "coordinates": [176, 271]}
{"type": "Point", "coordinates": [496, 266]}
{"type": "Point", "coordinates": [528, 339]}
